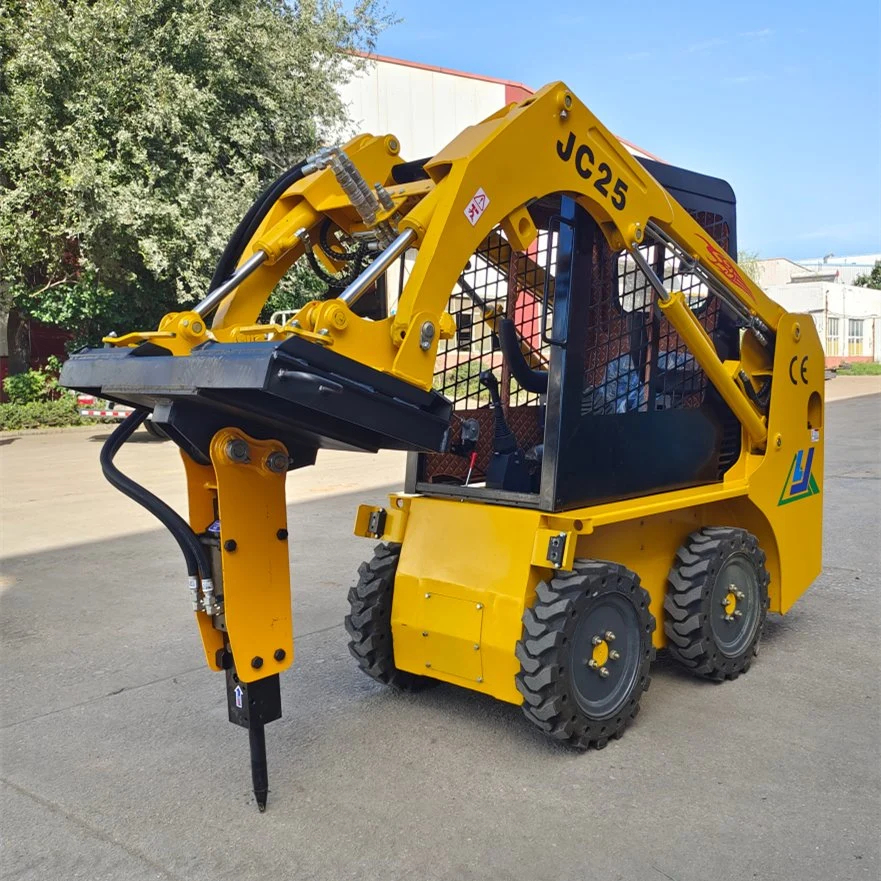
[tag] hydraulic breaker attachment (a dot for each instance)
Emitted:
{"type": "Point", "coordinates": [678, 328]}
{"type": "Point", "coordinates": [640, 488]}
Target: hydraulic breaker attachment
{"type": "Point", "coordinates": [237, 505]}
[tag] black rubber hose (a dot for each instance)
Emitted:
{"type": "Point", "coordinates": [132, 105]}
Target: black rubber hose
{"type": "Point", "coordinates": [244, 232]}
{"type": "Point", "coordinates": [193, 551]}
{"type": "Point", "coordinates": [535, 381]}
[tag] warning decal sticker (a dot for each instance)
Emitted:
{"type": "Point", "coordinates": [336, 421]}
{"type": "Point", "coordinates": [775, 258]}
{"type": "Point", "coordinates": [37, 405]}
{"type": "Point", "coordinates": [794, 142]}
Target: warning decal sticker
{"type": "Point", "coordinates": [476, 206]}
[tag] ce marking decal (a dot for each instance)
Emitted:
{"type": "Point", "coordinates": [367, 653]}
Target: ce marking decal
{"type": "Point", "coordinates": [802, 369]}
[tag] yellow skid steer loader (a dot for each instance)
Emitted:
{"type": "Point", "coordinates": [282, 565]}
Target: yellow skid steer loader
{"type": "Point", "coordinates": [615, 438]}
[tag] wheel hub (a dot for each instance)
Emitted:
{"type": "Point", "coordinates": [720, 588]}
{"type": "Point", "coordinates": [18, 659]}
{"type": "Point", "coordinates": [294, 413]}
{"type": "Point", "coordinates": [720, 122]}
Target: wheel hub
{"type": "Point", "coordinates": [729, 603]}
{"type": "Point", "coordinates": [600, 653]}
{"type": "Point", "coordinates": [735, 596]}
{"type": "Point", "coordinates": [605, 656]}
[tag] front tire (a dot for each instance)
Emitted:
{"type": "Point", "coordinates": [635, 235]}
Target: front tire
{"type": "Point", "coordinates": [369, 622]}
{"type": "Point", "coordinates": [717, 602]}
{"type": "Point", "coordinates": [585, 653]}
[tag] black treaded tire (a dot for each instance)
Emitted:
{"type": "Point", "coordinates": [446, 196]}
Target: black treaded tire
{"type": "Point", "coordinates": [369, 622]}
{"type": "Point", "coordinates": [563, 696]}
{"type": "Point", "coordinates": [700, 634]}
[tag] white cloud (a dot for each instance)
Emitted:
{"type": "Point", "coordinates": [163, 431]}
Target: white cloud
{"type": "Point", "coordinates": [704, 45]}
{"type": "Point", "coordinates": [762, 34]}
{"type": "Point", "coordinates": [746, 78]}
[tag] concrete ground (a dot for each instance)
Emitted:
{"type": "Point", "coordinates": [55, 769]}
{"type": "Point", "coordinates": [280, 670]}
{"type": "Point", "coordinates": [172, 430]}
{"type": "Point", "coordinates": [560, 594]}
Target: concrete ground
{"type": "Point", "coordinates": [842, 387]}
{"type": "Point", "coordinates": [118, 761]}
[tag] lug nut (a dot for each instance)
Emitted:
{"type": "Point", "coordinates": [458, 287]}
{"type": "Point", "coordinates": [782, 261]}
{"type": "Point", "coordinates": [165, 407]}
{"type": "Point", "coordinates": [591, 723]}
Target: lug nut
{"type": "Point", "coordinates": [604, 672]}
{"type": "Point", "coordinates": [610, 637]}
{"type": "Point", "coordinates": [738, 613]}
{"type": "Point", "coordinates": [592, 663]}
{"type": "Point", "coordinates": [739, 594]}
{"type": "Point", "coordinates": [596, 640]}
{"type": "Point", "coordinates": [614, 655]}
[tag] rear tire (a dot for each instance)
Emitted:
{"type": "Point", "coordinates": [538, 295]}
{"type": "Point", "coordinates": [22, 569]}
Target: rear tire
{"type": "Point", "coordinates": [574, 687]}
{"type": "Point", "coordinates": [369, 622]}
{"type": "Point", "coordinates": [717, 602]}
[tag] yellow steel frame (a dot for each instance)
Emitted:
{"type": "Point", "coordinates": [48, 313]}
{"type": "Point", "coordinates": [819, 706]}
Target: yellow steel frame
{"type": "Point", "coordinates": [549, 143]}
{"type": "Point", "coordinates": [249, 499]}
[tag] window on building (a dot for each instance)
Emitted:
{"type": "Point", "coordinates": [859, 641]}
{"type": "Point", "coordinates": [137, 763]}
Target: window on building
{"type": "Point", "coordinates": [832, 336]}
{"type": "Point", "coordinates": [854, 336]}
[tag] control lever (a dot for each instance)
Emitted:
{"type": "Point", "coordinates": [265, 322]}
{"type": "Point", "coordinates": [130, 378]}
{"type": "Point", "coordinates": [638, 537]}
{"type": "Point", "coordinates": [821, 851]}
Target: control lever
{"type": "Point", "coordinates": [468, 446]}
{"type": "Point", "coordinates": [503, 438]}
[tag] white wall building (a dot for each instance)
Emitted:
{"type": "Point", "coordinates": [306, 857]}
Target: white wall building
{"type": "Point", "coordinates": [848, 268]}
{"type": "Point", "coordinates": [782, 270]}
{"type": "Point", "coordinates": [848, 318]}
{"type": "Point", "coordinates": [841, 270]}
{"type": "Point", "coordinates": [427, 106]}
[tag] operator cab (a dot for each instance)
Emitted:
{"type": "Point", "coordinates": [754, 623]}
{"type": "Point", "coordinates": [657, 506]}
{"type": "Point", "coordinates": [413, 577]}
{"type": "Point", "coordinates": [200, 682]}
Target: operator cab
{"type": "Point", "coordinates": [576, 390]}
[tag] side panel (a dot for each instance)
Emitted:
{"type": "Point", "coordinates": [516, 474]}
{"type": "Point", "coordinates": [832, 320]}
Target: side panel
{"type": "Point", "coordinates": [787, 486]}
{"type": "Point", "coordinates": [456, 557]}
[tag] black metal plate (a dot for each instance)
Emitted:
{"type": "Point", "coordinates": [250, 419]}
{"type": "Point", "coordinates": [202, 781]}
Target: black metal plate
{"type": "Point", "coordinates": [299, 392]}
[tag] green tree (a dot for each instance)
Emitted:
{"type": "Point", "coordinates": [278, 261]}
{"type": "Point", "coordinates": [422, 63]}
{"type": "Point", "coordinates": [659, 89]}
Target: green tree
{"type": "Point", "coordinates": [136, 133]}
{"type": "Point", "coordinates": [870, 279]}
{"type": "Point", "coordinates": [749, 263]}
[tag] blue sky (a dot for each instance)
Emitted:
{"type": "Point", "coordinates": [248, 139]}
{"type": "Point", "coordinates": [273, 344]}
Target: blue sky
{"type": "Point", "coordinates": [781, 99]}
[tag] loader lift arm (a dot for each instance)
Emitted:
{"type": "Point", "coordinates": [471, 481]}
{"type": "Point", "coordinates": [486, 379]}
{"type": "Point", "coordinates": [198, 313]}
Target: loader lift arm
{"type": "Point", "coordinates": [247, 401]}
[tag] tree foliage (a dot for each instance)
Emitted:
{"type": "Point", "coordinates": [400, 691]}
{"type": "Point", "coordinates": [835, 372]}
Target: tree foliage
{"type": "Point", "coordinates": [749, 263]}
{"type": "Point", "coordinates": [870, 279]}
{"type": "Point", "coordinates": [137, 133]}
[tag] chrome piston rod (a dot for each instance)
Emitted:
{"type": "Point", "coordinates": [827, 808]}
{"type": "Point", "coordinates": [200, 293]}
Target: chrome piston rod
{"type": "Point", "coordinates": [371, 274]}
{"type": "Point", "coordinates": [214, 298]}
{"type": "Point", "coordinates": [257, 259]}
{"type": "Point", "coordinates": [762, 331]}
{"type": "Point", "coordinates": [350, 295]}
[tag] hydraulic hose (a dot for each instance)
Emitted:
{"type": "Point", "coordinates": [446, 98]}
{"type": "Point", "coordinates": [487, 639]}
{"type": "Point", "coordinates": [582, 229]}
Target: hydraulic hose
{"type": "Point", "coordinates": [244, 232]}
{"type": "Point", "coordinates": [193, 551]}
